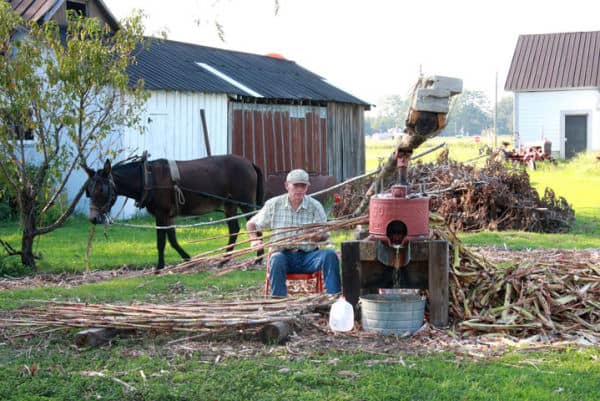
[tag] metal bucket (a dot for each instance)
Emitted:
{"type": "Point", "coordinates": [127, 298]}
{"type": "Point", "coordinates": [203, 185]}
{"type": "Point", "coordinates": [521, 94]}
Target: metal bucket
{"type": "Point", "coordinates": [392, 313]}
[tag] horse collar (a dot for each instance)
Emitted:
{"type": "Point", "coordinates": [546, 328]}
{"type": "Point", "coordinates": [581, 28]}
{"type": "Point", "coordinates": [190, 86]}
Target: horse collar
{"type": "Point", "coordinates": [146, 186]}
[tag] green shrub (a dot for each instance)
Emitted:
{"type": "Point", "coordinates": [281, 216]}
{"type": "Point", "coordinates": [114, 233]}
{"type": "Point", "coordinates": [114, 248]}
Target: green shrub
{"type": "Point", "coordinates": [10, 266]}
{"type": "Point", "coordinates": [9, 206]}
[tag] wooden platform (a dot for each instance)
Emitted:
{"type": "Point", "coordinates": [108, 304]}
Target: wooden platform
{"type": "Point", "coordinates": [365, 269]}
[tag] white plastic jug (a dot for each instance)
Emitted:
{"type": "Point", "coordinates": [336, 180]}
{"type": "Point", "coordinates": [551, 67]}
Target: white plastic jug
{"type": "Point", "coordinates": [341, 315]}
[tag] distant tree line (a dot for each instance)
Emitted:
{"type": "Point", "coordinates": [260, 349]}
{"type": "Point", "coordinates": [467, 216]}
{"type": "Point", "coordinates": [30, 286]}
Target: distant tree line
{"type": "Point", "coordinates": [471, 112]}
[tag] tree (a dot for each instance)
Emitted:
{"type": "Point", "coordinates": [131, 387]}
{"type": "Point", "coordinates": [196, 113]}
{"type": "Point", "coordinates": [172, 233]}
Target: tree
{"type": "Point", "coordinates": [469, 113]}
{"type": "Point", "coordinates": [67, 95]}
{"type": "Point", "coordinates": [504, 113]}
{"type": "Point", "coordinates": [392, 115]}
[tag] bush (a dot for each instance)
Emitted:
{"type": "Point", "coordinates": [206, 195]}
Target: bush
{"type": "Point", "coordinates": [9, 209]}
{"type": "Point", "coordinates": [10, 266]}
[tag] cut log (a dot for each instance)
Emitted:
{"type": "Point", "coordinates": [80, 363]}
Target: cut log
{"type": "Point", "coordinates": [98, 336]}
{"type": "Point", "coordinates": [275, 333]}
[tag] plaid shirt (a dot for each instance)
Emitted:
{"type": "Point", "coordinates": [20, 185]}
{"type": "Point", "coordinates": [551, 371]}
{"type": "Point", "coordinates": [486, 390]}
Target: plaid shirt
{"type": "Point", "coordinates": [278, 213]}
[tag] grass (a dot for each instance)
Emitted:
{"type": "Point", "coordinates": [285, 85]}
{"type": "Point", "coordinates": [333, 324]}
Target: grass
{"type": "Point", "coordinates": [63, 250]}
{"type": "Point", "coordinates": [47, 367]}
{"type": "Point", "coordinates": [141, 289]}
{"type": "Point", "coordinates": [69, 375]}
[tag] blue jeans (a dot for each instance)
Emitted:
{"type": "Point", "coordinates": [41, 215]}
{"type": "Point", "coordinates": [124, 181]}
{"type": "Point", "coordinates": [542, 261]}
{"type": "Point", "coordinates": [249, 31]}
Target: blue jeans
{"type": "Point", "coordinates": [285, 262]}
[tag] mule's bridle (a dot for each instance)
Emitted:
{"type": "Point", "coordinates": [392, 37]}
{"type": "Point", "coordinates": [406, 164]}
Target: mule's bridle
{"type": "Point", "coordinates": [111, 197]}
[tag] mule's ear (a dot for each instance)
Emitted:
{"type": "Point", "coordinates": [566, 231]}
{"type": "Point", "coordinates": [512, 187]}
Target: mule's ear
{"type": "Point", "coordinates": [106, 169]}
{"type": "Point", "coordinates": [88, 170]}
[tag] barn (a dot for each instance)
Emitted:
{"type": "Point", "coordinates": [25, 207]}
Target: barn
{"type": "Point", "coordinates": [265, 108]}
{"type": "Point", "coordinates": [207, 100]}
{"type": "Point", "coordinates": [555, 78]}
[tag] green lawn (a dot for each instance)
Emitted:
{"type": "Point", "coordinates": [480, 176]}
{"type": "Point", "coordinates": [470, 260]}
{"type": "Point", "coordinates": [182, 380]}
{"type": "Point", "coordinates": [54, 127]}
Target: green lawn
{"type": "Point", "coordinates": [69, 375]}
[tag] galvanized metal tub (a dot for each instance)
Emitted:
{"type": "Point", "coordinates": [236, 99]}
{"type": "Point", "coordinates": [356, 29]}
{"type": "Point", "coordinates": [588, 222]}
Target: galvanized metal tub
{"type": "Point", "coordinates": [392, 313]}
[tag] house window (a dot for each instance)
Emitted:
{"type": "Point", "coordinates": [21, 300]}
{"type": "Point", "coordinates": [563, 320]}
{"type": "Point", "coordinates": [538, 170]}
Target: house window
{"type": "Point", "coordinates": [79, 8]}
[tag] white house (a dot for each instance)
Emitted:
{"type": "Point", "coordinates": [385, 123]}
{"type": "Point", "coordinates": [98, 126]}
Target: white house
{"type": "Point", "coordinates": [555, 78]}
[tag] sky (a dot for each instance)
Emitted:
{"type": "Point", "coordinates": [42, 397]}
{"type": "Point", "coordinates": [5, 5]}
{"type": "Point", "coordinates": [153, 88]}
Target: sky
{"type": "Point", "coordinates": [372, 48]}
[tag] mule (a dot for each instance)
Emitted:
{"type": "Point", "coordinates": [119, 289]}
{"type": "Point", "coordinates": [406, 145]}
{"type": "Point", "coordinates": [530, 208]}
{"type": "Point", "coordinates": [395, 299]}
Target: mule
{"type": "Point", "coordinates": [201, 186]}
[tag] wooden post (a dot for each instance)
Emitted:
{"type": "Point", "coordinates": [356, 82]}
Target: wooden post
{"type": "Point", "coordinates": [438, 283]}
{"type": "Point", "coordinates": [205, 129]}
{"type": "Point", "coordinates": [351, 264]}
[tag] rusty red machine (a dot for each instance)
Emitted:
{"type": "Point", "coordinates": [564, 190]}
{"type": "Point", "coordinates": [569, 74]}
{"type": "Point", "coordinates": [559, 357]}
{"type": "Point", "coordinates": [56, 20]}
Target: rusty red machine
{"type": "Point", "coordinates": [398, 252]}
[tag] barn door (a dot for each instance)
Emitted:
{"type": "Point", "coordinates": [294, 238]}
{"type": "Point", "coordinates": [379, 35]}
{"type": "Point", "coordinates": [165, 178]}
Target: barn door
{"type": "Point", "coordinates": [575, 135]}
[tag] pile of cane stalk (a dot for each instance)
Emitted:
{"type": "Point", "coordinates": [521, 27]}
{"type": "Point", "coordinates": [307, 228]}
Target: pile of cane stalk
{"type": "Point", "coordinates": [240, 258]}
{"type": "Point", "coordinates": [189, 316]}
{"type": "Point", "coordinates": [523, 299]}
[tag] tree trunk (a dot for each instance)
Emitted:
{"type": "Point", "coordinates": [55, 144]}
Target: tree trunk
{"type": "Point", "coordinates": [27, 258]}
{"type": "Point", "coordinates": [29, 230]}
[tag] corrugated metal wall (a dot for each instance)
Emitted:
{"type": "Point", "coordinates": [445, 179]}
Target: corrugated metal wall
{"type": "Point", "coordinates": [345, 140]}
{"type": "Point", "coordinates": [280, 138]}
{"type": "Point", "coordinates": [174, 126]}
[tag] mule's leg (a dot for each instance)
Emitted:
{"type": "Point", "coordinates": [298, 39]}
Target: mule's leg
{"type": "Point", "coordinates": [173, 241]}
{"type": "Point", "coordinates": [233, 225]}
{"type": "Point", "coordinates": [234, 228]}
{"type": "Point", "coordinates": [160, 245]}
{"type": "Point", "coordinates": [260, 252]}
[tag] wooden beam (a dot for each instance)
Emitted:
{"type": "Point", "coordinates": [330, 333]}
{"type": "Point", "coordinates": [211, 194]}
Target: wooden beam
{"type": "Point", "coordinates": [438, 283]}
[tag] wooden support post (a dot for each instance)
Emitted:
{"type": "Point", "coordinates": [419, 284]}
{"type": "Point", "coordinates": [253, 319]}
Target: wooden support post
{"type": "Point", "coordinates": [205, 129]}
{"type": "Point", "coordinates": [438, 283]}
{"type": "Point", "coordinates": [351, 265]}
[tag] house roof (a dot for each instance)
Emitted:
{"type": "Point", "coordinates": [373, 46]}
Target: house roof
{"type": "Point", "coordinates": [43, 10]}
{"type": "Point", "coordinates": [171, 65]}
{"type": "Point", "coordinates": [555, 61]}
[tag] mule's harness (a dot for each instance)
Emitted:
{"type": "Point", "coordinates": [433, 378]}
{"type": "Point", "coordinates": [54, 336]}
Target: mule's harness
{"type": "Point", "coordinates": [176, 179]}
{"type": "Point", "coordinates": [146, 181]}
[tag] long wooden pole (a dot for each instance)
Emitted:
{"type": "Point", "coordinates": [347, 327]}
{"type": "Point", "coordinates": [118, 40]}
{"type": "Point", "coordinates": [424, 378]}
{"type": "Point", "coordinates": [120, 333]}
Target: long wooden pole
{"type": "Point", "coordinates": [205, 129]}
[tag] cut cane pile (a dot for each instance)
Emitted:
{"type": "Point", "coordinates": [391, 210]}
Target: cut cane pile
{"type": "Point", "coordinates": [495, 197]}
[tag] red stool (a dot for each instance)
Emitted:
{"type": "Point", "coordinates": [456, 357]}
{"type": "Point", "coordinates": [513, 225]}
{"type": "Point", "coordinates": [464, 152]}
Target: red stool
{"type": "Point", "coordinates": [317, 276]}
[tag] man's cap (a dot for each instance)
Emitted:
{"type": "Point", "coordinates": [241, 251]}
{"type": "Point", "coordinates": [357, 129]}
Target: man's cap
{"type": "Point", "coordinates": [298, 176]}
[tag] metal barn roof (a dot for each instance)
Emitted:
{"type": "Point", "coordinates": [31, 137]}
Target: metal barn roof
{"type": "Point", "coordinates": [171, 65]}
{"type": "Point", "coordinates": [555, 61]}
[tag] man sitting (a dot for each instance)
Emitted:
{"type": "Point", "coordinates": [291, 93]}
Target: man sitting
{"type": "Point", "coordinates": [283, 213]}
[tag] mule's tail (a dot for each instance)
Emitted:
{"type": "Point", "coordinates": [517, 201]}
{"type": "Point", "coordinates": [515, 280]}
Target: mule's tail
{"type": "Point", "coordinates": [260, 185]}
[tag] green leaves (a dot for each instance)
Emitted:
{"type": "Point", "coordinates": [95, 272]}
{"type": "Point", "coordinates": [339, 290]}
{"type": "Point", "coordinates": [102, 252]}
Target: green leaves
{"type": "Point", "coordinates": [67, 84]}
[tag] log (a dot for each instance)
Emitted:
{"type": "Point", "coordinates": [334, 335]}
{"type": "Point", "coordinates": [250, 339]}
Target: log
{"type": "Point", "coordinates": [94, 337]}
{"type": "Point", "coordinates": [275, 332]}
{"type": "Point", "coordinates": [97, 336]}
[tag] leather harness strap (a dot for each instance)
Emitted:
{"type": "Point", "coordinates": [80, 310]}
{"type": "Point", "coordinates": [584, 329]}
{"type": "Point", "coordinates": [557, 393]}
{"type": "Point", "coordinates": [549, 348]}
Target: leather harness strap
{"type": "Point", "coordinates": [175, 177]}
{"type": "Point", "coordinates": [146, 181]}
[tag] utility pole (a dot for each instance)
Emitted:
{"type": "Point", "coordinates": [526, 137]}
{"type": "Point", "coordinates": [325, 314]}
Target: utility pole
{"type": "Point", "coordinates": [496, 112]}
